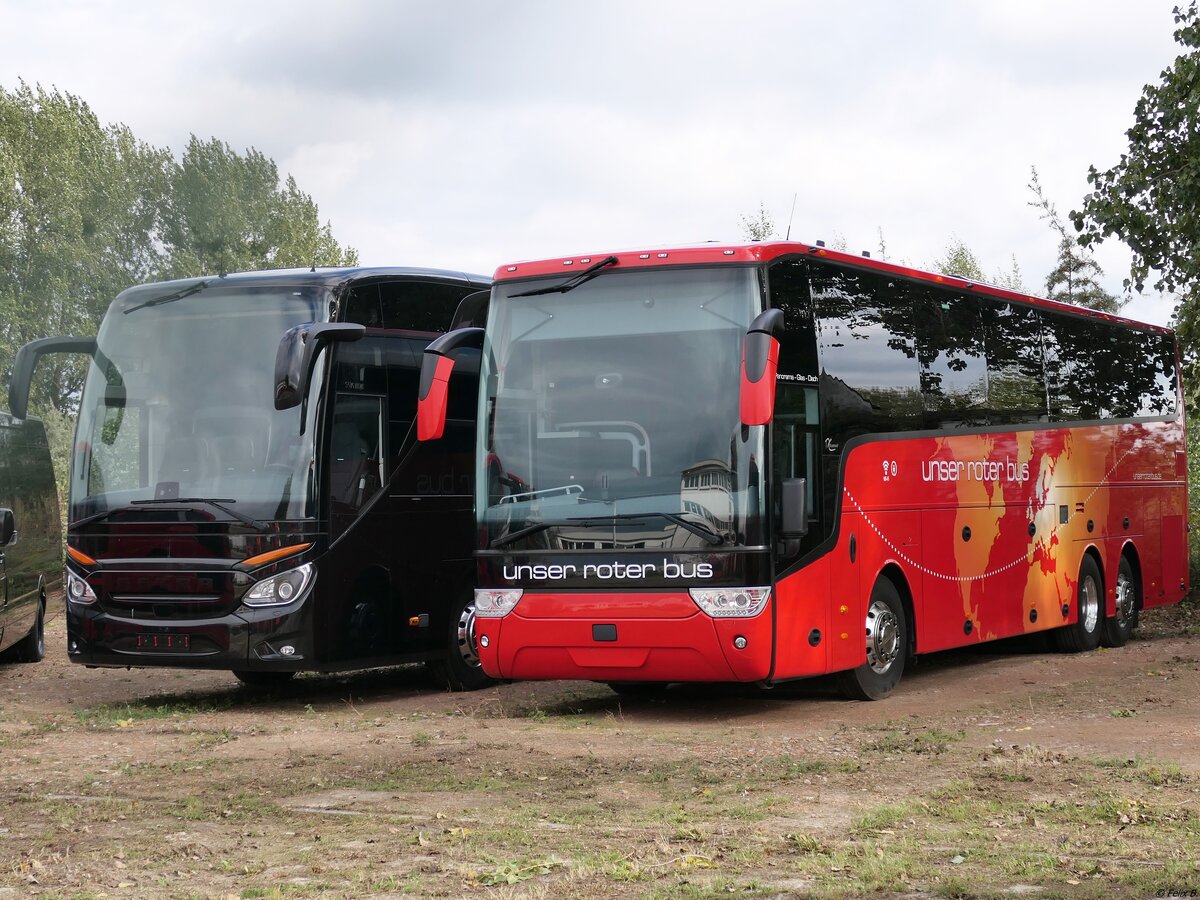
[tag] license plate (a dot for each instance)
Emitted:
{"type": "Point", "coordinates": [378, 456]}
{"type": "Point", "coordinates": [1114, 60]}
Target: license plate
{"type": "Point", "coordinates": [164, 643]}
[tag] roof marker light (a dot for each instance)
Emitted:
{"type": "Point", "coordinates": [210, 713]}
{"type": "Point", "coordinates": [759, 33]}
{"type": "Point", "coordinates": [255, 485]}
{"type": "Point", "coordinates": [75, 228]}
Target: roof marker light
{"type": "Point", "coordinates": [662, 256]}
{"type": "Point", "coordinates": [643, 256]}
{"type": "Point", "coordinates": [820, 243]}
{"type": "Point", "coordinates": [586, 259]}
{"type": "Point", "coordinates": [728, 252]}
{"type": "Point", "coordinates": [512, 269]}
{"type": "Point", "coordinates": [568, 262]}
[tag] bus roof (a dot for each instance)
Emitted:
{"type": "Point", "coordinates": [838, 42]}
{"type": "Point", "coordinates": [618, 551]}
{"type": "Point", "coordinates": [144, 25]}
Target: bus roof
{"type": "Point", "coordinates": [757, 252]}
{"type": "Point", "coordinates": [325, 276]}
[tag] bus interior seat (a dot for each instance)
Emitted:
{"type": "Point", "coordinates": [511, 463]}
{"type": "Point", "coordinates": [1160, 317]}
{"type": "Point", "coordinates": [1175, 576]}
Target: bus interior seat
{"type": "Point", "coordinates": [234, 454]}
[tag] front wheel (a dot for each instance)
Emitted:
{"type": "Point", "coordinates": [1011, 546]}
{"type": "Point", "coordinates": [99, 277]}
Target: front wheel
{"type": "Point", "coordinates": [887, 647]}
{"type": "Point", "coordinates": [32, 647]}
{"type": "Point", "coordinates": [460, 669]}
{"type": "Point", "coordinates": [1084, 633]}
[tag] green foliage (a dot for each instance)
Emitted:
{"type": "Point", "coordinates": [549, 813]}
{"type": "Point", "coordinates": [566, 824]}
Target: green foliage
{"type": "Point", "coordinates": [758, 227]}
{"type": "Point", "coordinates": [88, 209]}
{"type": "Point", "coordinates": [1076, 275]}
{"type": "Point", "coordinates": [959, 260]}
{"type": "Point", "coordinates": [1150, 199]}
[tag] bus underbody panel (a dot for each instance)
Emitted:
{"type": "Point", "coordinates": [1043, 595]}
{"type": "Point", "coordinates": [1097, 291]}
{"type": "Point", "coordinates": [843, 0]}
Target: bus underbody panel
{"type": "Point", "coordinates": [697, 648]}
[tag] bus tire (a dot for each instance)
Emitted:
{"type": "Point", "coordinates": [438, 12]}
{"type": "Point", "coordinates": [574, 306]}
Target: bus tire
{"type": "Point", "coordinates": [887, 647]}
{"type": "Point", "coordinates": [460, 669]}
{"type": "Point", "coordinates": [32, 647]}
{"type": "Point", "coordinates": [1118, 627]}
{"type": "Point", "coordinates": [1083, 634]}
{"type": "Point", "coordinates": [262, 680]}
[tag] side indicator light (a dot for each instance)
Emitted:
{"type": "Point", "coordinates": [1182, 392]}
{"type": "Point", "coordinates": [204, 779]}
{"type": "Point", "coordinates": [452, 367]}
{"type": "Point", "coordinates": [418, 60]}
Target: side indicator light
{"type": "Point", "coordinates": [271, 555]}
{"type": "Point", "coordinates": [79, 556]}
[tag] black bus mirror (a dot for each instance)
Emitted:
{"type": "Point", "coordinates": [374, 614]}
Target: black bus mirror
{"type": "Point", "coordinates": [760, 360]}
{"type": "Point", "coordinates": [297, 354]}
{"type": "Point", "coordinates": [8, 527]}
{"type": "Point", "coordinates": [26, 361]}
{"type": "Point", "coordinates": [437, 365]}
{"type": "Point", "coordinates": [471, 311]}
{"type": "Point", "coordinates": [794, 514]}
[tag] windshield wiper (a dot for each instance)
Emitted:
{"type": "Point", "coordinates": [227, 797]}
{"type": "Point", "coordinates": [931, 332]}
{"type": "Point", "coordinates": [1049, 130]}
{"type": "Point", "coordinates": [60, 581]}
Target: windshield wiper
{"type": "Point", "coordinates": [217, 503]}
{"type": "Point", "coordinates": [675, 519]}
{"type": "Point", "coordinates": [168, 298]}
{"type": "Point", "coordinates": [695, 528]}
{"type": "Point", "coordinates": [573, 282]}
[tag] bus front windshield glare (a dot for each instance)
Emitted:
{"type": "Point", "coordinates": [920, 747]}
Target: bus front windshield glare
{"type": "Point", "coordinates": [609, 414]}
{"type": "Point", "coordinates": [179, 404]}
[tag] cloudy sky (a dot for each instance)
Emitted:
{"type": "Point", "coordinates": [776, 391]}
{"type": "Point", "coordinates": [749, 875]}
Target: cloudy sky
{"type": "Point", "coordinates": [471, 133]}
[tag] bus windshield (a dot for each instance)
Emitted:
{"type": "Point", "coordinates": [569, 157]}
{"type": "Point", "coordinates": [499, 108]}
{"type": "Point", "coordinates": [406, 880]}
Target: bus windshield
{"type": "Point", "coordinates": [178, 406]}
{"type": "Point", "coordinates": [609, 414]}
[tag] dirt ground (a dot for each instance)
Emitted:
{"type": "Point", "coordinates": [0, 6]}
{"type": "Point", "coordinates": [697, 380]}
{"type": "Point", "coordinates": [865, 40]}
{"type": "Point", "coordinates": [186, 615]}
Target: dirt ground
{"type": "Point", "coordinates": [1006, 770]}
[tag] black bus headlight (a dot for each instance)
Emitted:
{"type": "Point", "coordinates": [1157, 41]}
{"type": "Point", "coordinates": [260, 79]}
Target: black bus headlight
{"type": "Point", "coordinates": [79, 591]}
{"type": "Point", "coordinates": [280, 589]}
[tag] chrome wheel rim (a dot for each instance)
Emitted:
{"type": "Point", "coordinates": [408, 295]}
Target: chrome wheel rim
{"type": "Point", "coordinates": [1089, 604]}
{"type": "Point", "coordinates": [468, 649]}
{"type": "Point", "coordinates": [1126, 600]}
{"type": "Point", "coordinates": [883, 637]}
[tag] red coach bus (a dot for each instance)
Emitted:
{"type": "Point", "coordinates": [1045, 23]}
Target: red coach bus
{"type": "Point", "coordinates": [764, 462]}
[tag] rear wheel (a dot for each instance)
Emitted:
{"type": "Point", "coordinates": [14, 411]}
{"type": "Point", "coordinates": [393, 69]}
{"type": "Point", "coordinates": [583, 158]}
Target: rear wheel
{"type": "Point", "coordinates": [1084, 633]}
{"type": "Point", "coordinates": [460, 669]}
{"type": "Point", "coordinates": [32, 647]}
{"type": "Point", "coordinates": [887, 647]}
{"type": "Point", "coordinates": [1120, 625]}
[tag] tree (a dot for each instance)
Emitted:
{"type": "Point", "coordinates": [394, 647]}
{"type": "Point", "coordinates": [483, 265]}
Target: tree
{"type": "Point", "coordinates": [228, 213]}
{"type": "Point", "coordinates": [1076, 276]}
{"type": "Point", "coordinates": [1150, 199]}
{"type": "Point", "coordinates": [80, 205]}
{"type": "Point", "coordinates": [759, 226]}
{"type": "Point", "coordinates": [959, 260]}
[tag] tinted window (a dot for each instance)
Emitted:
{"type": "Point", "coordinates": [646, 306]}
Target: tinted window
{"type": "Point", "coordinates": [951, 353]}
{"type": "Point", "coordinates": [869, 375]}
{"type": "Point", "coordinates": [1016, 381]}
{"type": "Point", "coordinates": [420, 305]}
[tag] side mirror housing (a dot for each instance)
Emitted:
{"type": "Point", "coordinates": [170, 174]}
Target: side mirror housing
{"type": "Point", "coordinates": [297, 354]}
{"type": "Point", "coordinates": [8, 527]}
{"type": "Point", "coordinates": [794, 515]}
{"type": "Point", "coordinates": [760, 361]}
{"type": "Point", "coordinates": [436, 367]}
{"type": "Point", "coordinates": [26, 361]}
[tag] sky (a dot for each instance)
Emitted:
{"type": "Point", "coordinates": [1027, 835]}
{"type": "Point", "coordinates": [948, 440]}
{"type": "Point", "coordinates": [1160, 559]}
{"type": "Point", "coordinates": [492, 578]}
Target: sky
{"type": "Point", "coordinates": [467, 134]}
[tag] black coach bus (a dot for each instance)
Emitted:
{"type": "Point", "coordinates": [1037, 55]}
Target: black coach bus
{"type": "Point", "coordinates": [246, 490]}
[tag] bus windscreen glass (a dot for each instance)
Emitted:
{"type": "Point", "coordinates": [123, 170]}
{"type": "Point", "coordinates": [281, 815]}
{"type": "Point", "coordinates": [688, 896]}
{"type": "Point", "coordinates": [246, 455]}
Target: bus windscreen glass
{"type": "Point", "coordinates": [611, 414]}
{"type": "Point", "coordinates": [178, 405]}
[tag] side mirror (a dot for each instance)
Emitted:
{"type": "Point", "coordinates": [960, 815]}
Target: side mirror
{"type": "Point", "coordinates": [297, 355]}
{"type": "Point", "coordinates": [8, 527]}
{"type": "Point", "coordinates": [794, 517]}
{"type": "Point", "coordinates": [436, 367]}
{"type": "Point", "coordinates": [472, 310]}
{"type": "Point", "coordinates": [26, 361]}
{"type": "Point", "coordinates": [760, 361]}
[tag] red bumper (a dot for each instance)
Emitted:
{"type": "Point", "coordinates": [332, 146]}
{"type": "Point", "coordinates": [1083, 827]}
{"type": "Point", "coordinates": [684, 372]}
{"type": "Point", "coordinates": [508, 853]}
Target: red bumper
{"type": "Point", "coordinates": [643, 638]}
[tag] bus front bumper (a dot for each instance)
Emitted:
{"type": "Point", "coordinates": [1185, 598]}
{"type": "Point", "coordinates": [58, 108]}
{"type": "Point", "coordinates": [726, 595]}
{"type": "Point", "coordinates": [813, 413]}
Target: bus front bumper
{"type": "Point", "coordinates": [695, 648]}
{"type": "Point", "coordinates": [264, 639]}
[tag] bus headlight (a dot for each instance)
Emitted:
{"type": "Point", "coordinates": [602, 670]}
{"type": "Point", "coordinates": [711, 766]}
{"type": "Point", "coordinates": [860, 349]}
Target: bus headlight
{"type": "Point", "coordinates": [79, 591]}
{"type": "Point", "coordinates": [495, 604]}
{"type": "Point", "coordinates": [731, 603]}
{"type": "Point", "coordinates": [280, 589]}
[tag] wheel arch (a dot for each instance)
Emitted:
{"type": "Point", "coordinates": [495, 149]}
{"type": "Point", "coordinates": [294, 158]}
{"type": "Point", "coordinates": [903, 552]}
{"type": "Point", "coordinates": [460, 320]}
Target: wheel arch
{"type": "Point", "coordinates": [1130, 553]}
{"type": "Point", "coordinates": [893, 573]}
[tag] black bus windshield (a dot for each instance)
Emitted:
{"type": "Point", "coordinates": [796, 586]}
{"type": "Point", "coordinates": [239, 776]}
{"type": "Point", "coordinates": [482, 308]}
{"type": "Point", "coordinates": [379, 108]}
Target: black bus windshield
{"type": "Point", "coordinates": [610, 414]}
{"type": "Point", "coordinates": [179, 405]}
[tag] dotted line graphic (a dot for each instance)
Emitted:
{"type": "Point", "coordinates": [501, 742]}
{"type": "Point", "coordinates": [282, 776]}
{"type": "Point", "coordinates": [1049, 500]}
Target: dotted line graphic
{"type": "Point", "coordinates": [1022, 560]}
